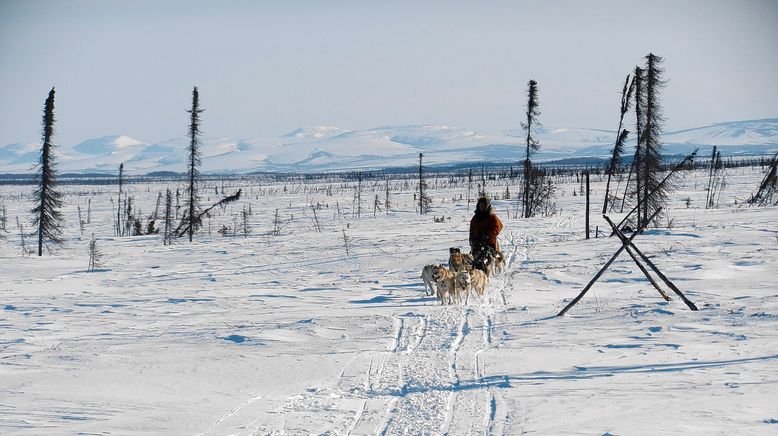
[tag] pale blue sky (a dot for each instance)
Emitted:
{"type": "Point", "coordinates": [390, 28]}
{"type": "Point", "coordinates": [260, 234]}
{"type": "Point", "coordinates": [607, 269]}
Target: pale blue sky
{"type": "Point", "coordinates": [265, 68]}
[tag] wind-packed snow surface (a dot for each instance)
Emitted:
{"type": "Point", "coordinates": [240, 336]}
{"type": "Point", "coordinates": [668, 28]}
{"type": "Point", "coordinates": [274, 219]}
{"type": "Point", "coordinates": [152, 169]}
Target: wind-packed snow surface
{"type": "Point", "coordinates": [289, 334]}
{"type": "Point", "coordinates": [332, 148]}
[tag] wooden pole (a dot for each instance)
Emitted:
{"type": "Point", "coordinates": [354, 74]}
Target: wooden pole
{"type": "Point", "coordinates": [602, 270]}
{"type": "Point", "coordinates": [651, 265]}
{"type": "Point", "coordinates": [634, 258]}
{"type": "Point", "coordinates": [587, 204]}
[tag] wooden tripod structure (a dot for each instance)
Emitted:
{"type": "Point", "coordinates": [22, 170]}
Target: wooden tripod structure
{"type": "Point", "coordinates": [634, 253]}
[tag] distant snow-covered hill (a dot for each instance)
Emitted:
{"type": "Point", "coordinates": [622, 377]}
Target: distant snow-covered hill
{"type": "Point", "coordinates": [332, 148]}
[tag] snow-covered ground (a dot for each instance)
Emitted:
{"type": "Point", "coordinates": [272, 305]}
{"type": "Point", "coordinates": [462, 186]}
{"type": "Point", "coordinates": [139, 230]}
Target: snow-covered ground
{"type": "Point", "coordinates": [288, 334]}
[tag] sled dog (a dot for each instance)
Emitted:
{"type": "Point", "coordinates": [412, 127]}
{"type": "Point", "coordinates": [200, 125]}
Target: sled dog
{"type": "Point", "coordinates": [458, 261]}
{"type": "Point", "coordinates": [463, 283]}
{"type": "Point", "coordinates": [499, 262]}
{"type": "Point", "coordinates": [483, 261]}
{"type": "Point", "coordinates": [426, 276]}
{"type": "Point", "coordinates": [488, 260]}
{"type": "Point", "coordinates": [478, 282]}
{"type": "Point", "coordinates": [445, 282]}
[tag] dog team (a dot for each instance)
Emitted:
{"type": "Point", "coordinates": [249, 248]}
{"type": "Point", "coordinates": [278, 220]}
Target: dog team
{"type": "Point", "coordinates": [465, 273]}
{"type": "Point", "coordinates": [468, 272]}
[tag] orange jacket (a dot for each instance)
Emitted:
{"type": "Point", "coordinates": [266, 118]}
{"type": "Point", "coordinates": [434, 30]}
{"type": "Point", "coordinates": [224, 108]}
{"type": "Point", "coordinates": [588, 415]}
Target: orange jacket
{"type": "Point", "coordinates": [485, 225]}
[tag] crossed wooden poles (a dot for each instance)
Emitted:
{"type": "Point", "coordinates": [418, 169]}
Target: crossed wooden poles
{"type": "Point", "coordinates": [632, 250]}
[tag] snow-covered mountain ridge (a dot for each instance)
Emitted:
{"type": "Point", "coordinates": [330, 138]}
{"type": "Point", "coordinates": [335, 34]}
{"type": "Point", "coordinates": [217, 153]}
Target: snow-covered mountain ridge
{"type": "Point", "coordinates": [324, 148]}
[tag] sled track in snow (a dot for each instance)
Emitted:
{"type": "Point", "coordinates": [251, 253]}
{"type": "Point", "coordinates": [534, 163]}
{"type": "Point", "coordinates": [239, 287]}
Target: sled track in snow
{"type": "Point", "coordinates": [476, 408]}
{"type": "Point", "coordinates": [467, 411]}
{"type": "Point", "coordinates": [428, 379]}
{"type": "Point", "coordinates": [425, 374]}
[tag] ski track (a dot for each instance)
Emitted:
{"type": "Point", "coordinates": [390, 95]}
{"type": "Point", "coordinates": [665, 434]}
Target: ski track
{"type": "Point", "coordinates": [230, 414]}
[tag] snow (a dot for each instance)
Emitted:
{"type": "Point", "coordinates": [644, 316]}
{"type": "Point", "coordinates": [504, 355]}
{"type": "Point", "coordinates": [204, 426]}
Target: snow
{"type": "Point", "coordinates": [316, 132]}
{"type": "Point", "coordinates": [289, 335]}
{"type": "Point", "coordinates": [326, 148]}
{"type": "Point", "coordinates": [107, 145]}
{"type": "Point", "coordinates": [16, 153]}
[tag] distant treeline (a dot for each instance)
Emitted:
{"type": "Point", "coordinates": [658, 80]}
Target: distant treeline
{"type": "Point", "coordinates": [556, 167]}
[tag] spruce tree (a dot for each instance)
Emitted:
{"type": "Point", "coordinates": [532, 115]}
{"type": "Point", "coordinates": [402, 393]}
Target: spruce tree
{"type": "Point", "coordinates": [119, 209]}
{"type": "Point", "coordinates": [4, 219]}
{"type": "Point", "coordinates": [424, 199]}
{"type": "Point", "coordinates": [532, 143]}
{"type": "Point", "coordinates": [168, 217]}
{"type": "Point", "coordinates": [192, 201]}
{"type": "Point", "coordinates": [710, 194]}
{"type": "Point", "coordinates": [129, 218]}
{"type": "Point", "coordinates": [469, 185]}
{"type": "Point", "coordinates": [358, 196]}
{"type": "Point", "coordinates": [387, 204]}
{"type": "Point", "coordinates": [48, 218]}
{"type": "Point", "coordinates": [652, 146]}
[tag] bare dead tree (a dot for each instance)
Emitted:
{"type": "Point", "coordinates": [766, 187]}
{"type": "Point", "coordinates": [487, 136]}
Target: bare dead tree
{"type": "Point", "coordinates": [640, 102]}
{"type": "Point", "coordinates": [80, 221]}
{"type": "Point", "coordinates": [245, 217]}
{"type": "Point", "coordinates": [767, 187]}
{"type": "Point", "coordinates": [276, 225]}
{"type": "Point", "coordinates": [621, 137]}
{"type": "Point", "coordinates": [715, 178]}
{"type": "Point", "coordinates": [345, 241]}
{"type": "Point", "coordinates": [25, 250]}
{"type": "Point", "coordinates": [316, 220]}
{"type": "Point", "coordinates": [482, 186]}
{"type": "Point", "coordinates": [376, 205]}
{"type": "Point", "coordinates": [166, 237]}
{"type": "Point", "coordinates": [184, 227]}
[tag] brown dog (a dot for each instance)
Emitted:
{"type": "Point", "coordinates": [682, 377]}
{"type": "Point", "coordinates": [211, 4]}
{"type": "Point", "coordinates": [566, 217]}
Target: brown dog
{"type": "Point", "coordinates": [478, 281]}
{"type": "Point", "coordinates": [458, 261]}
{"type": "Point", "coordinates": [463, 283]}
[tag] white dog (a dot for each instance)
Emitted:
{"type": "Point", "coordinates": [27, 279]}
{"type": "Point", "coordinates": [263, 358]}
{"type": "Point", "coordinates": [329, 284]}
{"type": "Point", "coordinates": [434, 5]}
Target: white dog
{"type": "Point", "coordinates": [429, 281]}
{"type": "Point", "coordinates": [499, 262]}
